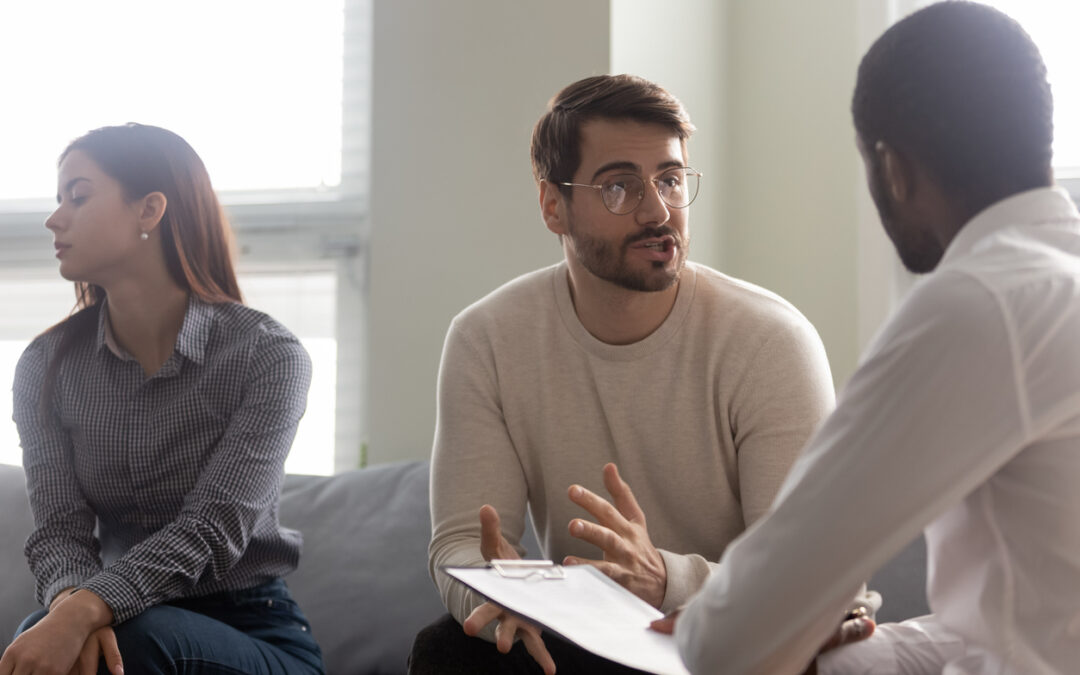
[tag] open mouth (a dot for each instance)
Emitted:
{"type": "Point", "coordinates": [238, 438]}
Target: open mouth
{"type": "Point", "coordinates": [662, 244]}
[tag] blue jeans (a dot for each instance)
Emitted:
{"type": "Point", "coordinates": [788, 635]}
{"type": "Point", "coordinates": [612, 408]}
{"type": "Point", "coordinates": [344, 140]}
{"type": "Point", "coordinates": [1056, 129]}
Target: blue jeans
{"type": "Point", "coordinates": [254, 631]}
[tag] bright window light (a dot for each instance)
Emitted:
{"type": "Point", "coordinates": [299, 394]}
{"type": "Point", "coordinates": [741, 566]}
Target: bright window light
{"type": "Point", "coordinates": [1052, 25]}
{"type": "Point", "coordinates": [302, 301]}
{"type": "Point", "coordinates": [254, 85]}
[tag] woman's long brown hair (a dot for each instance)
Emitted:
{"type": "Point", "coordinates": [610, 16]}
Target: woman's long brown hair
{"type": "Point", "coordinates": [195, 233]}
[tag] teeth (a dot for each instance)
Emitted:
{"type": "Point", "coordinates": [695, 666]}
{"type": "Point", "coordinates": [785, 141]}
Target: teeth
{"type": "Point", "coordinates": [656, 247]}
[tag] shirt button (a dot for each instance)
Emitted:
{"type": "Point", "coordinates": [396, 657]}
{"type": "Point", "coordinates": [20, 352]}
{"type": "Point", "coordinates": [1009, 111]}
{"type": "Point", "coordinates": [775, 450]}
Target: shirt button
{"type": "Point", "coordinates": [269, 603]}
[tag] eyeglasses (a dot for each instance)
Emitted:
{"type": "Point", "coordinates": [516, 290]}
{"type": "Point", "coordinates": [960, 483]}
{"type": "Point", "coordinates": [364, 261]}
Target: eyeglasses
{"type": "Point", "coordinates": [622, 193]}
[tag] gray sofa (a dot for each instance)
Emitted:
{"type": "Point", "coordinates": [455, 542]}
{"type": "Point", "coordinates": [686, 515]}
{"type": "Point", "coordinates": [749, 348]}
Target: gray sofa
{"type": "Point", "coordinates": [363, 578]}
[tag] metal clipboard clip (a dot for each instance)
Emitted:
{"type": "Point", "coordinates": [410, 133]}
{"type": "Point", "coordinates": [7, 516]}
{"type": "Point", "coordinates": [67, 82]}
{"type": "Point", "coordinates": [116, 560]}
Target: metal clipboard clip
{"type": "Point", "coordinates": [529, 570]}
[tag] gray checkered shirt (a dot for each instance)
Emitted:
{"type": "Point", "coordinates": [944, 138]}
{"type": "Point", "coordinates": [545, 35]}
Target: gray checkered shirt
{"type": "Point", "coordinates": [180, 472]}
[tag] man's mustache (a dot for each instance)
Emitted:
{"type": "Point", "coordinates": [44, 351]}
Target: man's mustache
{"type": "Point", "coordinates": [653, 233]}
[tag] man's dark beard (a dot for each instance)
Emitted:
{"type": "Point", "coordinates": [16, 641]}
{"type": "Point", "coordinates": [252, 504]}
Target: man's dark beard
{"type": "Point", "coordinates": [600, 258]}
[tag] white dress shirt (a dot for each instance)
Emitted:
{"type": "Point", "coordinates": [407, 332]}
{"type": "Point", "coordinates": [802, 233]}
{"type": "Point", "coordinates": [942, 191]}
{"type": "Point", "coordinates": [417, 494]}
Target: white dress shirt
{"type": "Point", "coordinates": [964, 418]}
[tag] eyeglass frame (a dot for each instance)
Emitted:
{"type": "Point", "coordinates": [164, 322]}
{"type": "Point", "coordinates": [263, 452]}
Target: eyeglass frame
{"type": "Point", "coordinates": [654, 181]}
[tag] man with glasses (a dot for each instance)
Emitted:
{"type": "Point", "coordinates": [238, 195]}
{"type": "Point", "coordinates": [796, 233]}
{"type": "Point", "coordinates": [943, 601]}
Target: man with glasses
{"type": "Point", "coordinates": [701, 389]}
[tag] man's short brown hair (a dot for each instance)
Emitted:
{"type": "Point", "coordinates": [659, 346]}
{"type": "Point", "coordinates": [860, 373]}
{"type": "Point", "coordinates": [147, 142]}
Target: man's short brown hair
{"type": "Point", "coordinates": [556, 138]}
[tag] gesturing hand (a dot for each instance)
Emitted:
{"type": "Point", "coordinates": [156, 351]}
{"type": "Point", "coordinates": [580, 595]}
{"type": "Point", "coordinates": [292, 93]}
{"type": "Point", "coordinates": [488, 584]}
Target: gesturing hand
{"type": "Point", "coordinates": [620, 532]}
{"type": "Point", "coordinates": [495, 546]}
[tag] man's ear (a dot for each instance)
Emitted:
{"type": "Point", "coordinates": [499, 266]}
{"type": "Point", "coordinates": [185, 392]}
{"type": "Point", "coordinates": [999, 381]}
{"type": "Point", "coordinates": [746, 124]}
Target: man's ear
{"type": "Point", "coordinates": [896, 172]}
{"type": "Point", "coordinates": [553, 207]}
{"type": "Point", "coordinates": [151, 211]}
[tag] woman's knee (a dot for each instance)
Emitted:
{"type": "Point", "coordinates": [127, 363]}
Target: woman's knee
{"type": "Point", "coordinates": [155, 640]}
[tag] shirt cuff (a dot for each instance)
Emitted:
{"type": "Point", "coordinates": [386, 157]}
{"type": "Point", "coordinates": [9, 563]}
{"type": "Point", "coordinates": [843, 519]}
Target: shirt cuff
{"type": "Point", "coordinates": [67, 581]}
{"type": "Point", "coordinates": [686, 574]}
{"type": "Point", "coordinates": [118, 593]}
{"type": "Point", "coordinates": [873, 656]}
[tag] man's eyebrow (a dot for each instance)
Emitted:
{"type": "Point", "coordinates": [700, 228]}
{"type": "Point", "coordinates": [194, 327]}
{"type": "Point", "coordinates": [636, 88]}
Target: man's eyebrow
{"type": "Point", "coordinates": [670, 164]}
{"type": "Point", "coordinates": [634, 168]}
{"type": "Point", "coordinates": [612, 166]}
{"type": "Point", "coordinates": [70, 184]}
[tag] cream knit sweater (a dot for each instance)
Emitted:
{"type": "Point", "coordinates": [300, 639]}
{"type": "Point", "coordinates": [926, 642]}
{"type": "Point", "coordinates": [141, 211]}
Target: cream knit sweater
{"type": "Point", "coordinates": [703, 418]}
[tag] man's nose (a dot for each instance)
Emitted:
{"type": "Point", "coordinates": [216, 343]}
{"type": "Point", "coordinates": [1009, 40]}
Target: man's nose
{"type": "Point", "coordinates": [653, 209]}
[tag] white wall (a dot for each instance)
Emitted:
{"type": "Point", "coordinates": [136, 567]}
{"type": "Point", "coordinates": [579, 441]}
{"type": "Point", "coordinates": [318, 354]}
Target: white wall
{"type": "Point", "coordinates": [457, 88]}
{"type": "Point", "coordinates": [792, 216]}
{"type": "Point", "coordinates": [768, 84]}
{"type": "Point", "coordinates": [695, 70]}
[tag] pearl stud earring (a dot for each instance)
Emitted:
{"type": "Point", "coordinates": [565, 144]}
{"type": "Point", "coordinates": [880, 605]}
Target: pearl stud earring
{"type": "Point", "coordinates": [144, 236]}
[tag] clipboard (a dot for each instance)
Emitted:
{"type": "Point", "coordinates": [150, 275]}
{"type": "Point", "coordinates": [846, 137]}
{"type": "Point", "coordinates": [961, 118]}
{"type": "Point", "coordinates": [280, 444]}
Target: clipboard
{"type": "Point", "coordinates": [580, 604]}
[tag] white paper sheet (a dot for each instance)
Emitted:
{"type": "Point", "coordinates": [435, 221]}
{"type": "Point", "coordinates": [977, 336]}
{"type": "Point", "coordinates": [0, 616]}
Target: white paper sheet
{"type": "Point", "coordinates": [586, 608]}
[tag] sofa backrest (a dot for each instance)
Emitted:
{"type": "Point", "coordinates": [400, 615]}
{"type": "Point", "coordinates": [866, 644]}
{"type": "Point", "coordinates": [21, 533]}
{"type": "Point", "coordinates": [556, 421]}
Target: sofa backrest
{"type": "Point", "coordinates": [17, 590]}
{"type": "Point", "coordinates": [363, 580]}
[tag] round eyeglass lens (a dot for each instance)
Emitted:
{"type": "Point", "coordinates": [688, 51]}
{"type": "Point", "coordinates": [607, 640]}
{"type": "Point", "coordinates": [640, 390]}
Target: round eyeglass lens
{"type": "Point", "coordinates": [678, 187]}
{"type": "Point", "coordinates": [622, 193]}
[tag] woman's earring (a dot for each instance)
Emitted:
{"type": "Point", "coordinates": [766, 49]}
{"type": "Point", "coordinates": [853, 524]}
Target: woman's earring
{"type": "Point", "coordinates": [144, 236]}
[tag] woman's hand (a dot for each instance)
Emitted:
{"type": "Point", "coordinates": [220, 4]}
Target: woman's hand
{"type": "Point", "coordinates": [100, 645]}
{"type": "Point", "coordinates": [55, 644]}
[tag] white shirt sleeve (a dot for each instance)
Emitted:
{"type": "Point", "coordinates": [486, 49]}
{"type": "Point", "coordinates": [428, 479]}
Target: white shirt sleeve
{"type": "Point", "coordinates": [917, 646]}
{"type": "Point", "coordinates": [929, 415]}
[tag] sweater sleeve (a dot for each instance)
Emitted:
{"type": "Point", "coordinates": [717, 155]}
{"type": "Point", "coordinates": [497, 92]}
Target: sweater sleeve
{"type": "Point", "coordinates": [474, 462]}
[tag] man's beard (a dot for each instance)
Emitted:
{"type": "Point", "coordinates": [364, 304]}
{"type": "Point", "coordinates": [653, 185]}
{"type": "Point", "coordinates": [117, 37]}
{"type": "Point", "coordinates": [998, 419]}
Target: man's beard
{"type": "Point", "coordinates": [603, 260]}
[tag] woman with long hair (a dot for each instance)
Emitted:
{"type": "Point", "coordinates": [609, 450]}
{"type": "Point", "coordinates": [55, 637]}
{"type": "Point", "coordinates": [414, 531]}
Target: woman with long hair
{"type": "Point", "coordinates": [155, 422]}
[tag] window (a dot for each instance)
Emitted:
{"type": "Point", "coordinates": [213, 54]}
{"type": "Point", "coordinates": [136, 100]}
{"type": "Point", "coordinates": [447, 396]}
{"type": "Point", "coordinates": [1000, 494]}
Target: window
{"type": "Point", "coordinates": [275, 97]}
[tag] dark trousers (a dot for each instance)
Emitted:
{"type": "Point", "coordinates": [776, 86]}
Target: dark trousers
{"type": "Point", "coordinates": [255, 631]}
{"type": "Point", "coordinates": [443, 648]}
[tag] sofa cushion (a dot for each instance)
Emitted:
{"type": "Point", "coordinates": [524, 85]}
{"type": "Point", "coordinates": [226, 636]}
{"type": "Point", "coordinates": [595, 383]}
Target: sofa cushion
{"type": "Point", "coordinates": [363, 580]}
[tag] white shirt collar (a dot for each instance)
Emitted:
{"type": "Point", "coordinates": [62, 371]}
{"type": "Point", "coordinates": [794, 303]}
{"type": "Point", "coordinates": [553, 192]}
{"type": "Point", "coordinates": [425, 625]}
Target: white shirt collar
{"type": "Point", "coordinates": [1041, 205]}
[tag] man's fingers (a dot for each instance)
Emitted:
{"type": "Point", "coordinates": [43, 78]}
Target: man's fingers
{"type": "Point", "coordinates": [492, 544]}
{"type": "Point", "coordinates": [110, 651]}
{"type": "Point", "coordinates": [534, 644]}
{"type": "Point", "coordinates": [665, 625]}
{"type": "Point", "coordinates": [622, 495]}
{"type": "Point", "coordinates": [480, 617]}
{"type": "Point", "coordinates": [600, 508]}
{"type": "Point", "coordinates": [508, 628]}
{"type": "Point", "coordinates": [850, 630]}
{"type": "Point", "coordinates": [505, 633]}
{"type": "Point", "coordinates": [855, 630]}
{"type": "Point", "coordinates": [613, 546]}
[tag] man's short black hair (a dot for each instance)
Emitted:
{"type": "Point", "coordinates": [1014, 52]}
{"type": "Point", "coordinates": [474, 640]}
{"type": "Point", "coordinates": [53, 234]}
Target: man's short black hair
{"type": "Point", "coordinates": [961, 89]}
